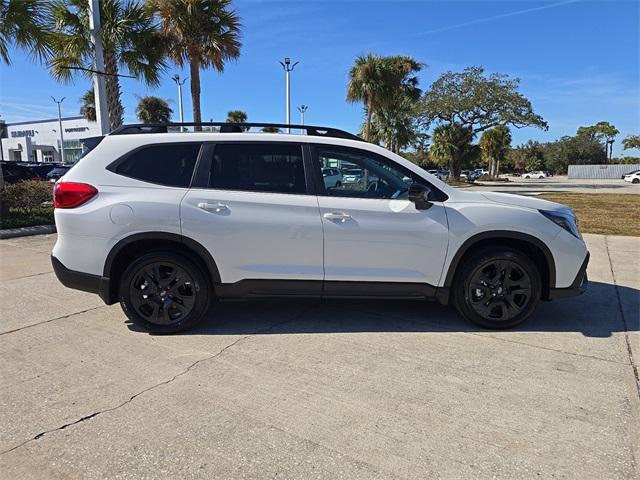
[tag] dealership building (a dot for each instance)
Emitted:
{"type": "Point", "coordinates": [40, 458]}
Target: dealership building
{"type": "Point", "coordinates": [39, 140]}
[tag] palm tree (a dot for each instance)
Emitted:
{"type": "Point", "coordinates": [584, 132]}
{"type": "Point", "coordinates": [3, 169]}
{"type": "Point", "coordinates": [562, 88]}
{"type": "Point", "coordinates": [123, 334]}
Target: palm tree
{"type": "Point", "coordinates": [451, 144]}
{"type": "Point", "coordinates": [236, 116]}
{"type": "Point", "coordinates": [202, 33]}
{"type": "Point", "coordinates": [88, 108]}
{"type": "Point", "coordinates": [23, 23]}
{"type": "Point", "coordinates": [130, 39]}
{"type": "Point", "coordinates": [367, 85]}
{"type": "Point", "coordinates": [494, 145]}
{"type": "Point", "coordinates": [382, 84]}
{"type": "Point", "coordinates": [152, 109]}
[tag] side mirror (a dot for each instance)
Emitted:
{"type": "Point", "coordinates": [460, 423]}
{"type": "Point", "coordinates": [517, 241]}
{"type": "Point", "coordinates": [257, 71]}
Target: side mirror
{"type": "Point", "coordinates": [419, 194]}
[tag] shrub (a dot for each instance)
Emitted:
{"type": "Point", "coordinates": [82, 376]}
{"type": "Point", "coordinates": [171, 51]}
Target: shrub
{"type": "Point", "coordinates": [26, 195]}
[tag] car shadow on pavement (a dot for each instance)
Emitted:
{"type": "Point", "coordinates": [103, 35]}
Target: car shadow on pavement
{"type": "Point", "coordinates": [597, 313]}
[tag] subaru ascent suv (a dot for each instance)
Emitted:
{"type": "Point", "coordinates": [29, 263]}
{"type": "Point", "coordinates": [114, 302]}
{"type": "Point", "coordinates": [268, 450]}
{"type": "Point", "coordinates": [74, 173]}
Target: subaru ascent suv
{"type": "Point", "coordinates": [164, 219]}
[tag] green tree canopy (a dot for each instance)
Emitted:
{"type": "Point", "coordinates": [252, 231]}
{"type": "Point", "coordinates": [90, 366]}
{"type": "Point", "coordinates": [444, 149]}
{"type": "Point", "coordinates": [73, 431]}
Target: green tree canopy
{"type": "Point", "coordinates": [382, 84]}
{"type": "Point", "coordinates": [527, 157]}
{"type": "Point", "coordinates": [472, 100]}
{"type": "Point", "coordinates": [631, 141]}
{"type": "Point", "coordinates": [237, 116]}
{"type": "Point", "coordinates": [24, 23]}
{"type": "Point", "coordinates": [602, 132]}
{"type": "Point", "coordinates": [88, 108]}
{"type": "Point", "coordinates": [451, 146]}
{"type": "Point", "coordinates": [494, 145]}
{"type": "Point", "coordinates": [577, 150]}
{"type": "Point", "coordinates": [152, 109]}
{"type": "Point", "coordinates": [270, 130]}
{"type": "Point", "coordinates": [201, 33]}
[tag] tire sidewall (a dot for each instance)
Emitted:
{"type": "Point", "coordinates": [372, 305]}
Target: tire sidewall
{"type": "Point", "coordinates": [462, 280]}
{"type": "Point", "coordinates": [201, 286]}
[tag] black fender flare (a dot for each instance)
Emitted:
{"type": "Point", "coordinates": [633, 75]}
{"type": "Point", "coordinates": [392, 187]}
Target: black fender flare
{"type": "Point", "coordinates": [193, 245]}
{"type": "Point", "coordinates": [500, 235]}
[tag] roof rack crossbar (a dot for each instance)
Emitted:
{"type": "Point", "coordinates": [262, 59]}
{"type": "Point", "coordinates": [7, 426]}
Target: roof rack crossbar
{"type": "Point", "coordinates": [230, 127]}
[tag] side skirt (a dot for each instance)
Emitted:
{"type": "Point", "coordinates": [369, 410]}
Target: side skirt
{"type": "Point", "coordinates": [329, 289]}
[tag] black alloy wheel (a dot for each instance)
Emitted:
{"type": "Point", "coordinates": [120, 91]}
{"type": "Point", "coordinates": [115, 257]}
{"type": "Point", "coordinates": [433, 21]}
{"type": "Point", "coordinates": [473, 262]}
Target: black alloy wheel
{"type": "Point", "coordinates": [497, 288]}
{"type": "Point", "coordinates": [164, 292]}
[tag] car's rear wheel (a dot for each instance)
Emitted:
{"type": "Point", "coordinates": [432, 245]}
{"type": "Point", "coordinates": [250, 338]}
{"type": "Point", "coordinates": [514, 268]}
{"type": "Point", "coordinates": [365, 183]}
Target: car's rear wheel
{"type": "Point", "coordinates": [164, 292]}
{"type": "Point", "coordinates": [497, 288]}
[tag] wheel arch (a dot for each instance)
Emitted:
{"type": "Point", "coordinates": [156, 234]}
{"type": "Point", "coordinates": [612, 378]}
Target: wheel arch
{"type": "Point", "coordinates": [524, 242]}
{"type": "Point", "coordinates": [129, 247]}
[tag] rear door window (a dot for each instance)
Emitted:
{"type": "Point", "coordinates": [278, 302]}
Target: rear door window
{"type": "Point", "coordinates": [164, 164]}
{"type": "Point", "coordinates": [258, 167]}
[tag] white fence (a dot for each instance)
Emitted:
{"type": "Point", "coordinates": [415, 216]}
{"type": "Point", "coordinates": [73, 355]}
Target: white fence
{"type": "Point", "coordinates": [601, 171]}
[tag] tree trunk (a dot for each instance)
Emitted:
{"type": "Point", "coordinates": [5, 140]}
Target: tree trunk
{"type": "Point", "coordinates": [367, 125]}
{"type": "Point", "coordinates": [112, 86]}
{"type": "Point", "coordinates": [194, 69]}
{"type": "Point", "coordinates": [497, 173]}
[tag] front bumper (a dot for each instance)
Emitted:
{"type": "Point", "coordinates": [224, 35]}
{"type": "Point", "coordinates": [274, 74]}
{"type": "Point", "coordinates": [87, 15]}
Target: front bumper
{"type": "Point", "coordinates": [81, 281]}
{"type": "Point", "coordinates": [578, 287]}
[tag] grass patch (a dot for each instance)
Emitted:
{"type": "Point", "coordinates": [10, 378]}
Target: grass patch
{"type": "Point", "coordinates": [604, 213]}
{"type": "Point", "coordinates": [19, 217]}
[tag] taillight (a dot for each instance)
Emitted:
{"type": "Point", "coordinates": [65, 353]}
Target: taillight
{"type": "Point", "coordinates": [72, 194]}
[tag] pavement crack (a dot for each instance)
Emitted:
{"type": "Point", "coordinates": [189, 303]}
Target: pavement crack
{"type": "Point", "coordinates": [624, 318]}
{"type": "Point", "coordinates": [153, 387]}
{"type": "Point", "coordinates": [51, 320]}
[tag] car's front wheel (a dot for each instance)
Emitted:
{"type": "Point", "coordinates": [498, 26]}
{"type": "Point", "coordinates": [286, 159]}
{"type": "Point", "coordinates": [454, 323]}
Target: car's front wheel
{"type": "Point", "coordinates": [497, 288]}
{"type": "Point", "coordinates": [635, 180]}
{"type": "Point", "coordinates": [164, 292]}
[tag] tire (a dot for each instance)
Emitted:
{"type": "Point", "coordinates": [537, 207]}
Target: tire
{"type": "Point", "coordinates": [179, 292]}
{"type": "Point", "coordinates": [635, 180]}
{"type": "Point", "coordinates": [527, 176]}
{"type": "Point", "coordinates": [511, 297]}
{"type": "Point", "coordinates": [338, 184]}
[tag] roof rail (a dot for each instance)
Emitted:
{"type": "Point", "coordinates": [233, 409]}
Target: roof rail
{"type": "Point", "coordinates": [227, 127]}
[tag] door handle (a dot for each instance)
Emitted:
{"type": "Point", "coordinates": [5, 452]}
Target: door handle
{"type": "Point", "coordinates": [337, 217]}
{"type": "Point", "coordinates": [213, 207]}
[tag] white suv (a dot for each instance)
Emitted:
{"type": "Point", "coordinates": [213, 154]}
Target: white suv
{"type": "Point", "coordinates": [165, 222]}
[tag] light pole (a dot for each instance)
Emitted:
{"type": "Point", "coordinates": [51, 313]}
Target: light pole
{"type": "Point", "coordinates": [99, 87]}
{"type": "Point", "coordinates": [288, 68]}
{"type": "Point", "coordinates": [60, 126]}
{"type": "Point", "coordinates": [302, 108]}
{"type": "Point", "coordinates": [176, 78]}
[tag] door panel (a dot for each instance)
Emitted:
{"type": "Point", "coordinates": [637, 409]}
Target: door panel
{"type": "Point", "coordinates": [255, 235]}
{"type": "Point", "coordinates": [372, 232]}
{"type": "Point", "coordinates": [383, 240]}
{"type": "Point", "coordinates": [249, 208]}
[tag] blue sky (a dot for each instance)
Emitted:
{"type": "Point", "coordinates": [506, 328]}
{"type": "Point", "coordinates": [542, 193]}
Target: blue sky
{"type": "Point", "coordinates": [578, 61]}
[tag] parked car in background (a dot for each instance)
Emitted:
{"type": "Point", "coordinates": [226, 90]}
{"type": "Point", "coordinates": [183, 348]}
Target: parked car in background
{"type": "Point", "coordinates": [13, 172]}
{"type": "Point", "coordinates": [630, 173]}
{"type": "Point", "coordinates": [332, 177]}
{"type": "Point", "coordinates": [41, 170]}
{"type": "Point", "coordinates": [443, 174]}
{"type": "Point", "coordinates": [57, 173]}
{"type": "Point", "coordinates": [351, 175]}
{"type": "Point", "coordinates": [476, 174]}
{"type": "Point", "coordinates": [633, 177]}
{"type": "Point", "coordinates": [537, 174]}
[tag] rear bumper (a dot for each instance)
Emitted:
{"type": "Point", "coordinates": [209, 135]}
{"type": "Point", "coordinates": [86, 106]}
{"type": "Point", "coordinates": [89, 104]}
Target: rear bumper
{"type": "Point", "coordinates": [81, 281]}
{"type": "Point", "coordinates": [578, 287]}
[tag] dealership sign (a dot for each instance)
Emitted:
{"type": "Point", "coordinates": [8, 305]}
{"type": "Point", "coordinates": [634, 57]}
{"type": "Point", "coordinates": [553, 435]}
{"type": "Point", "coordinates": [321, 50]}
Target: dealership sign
{"type": "Point", "coordinates": [23, 133]}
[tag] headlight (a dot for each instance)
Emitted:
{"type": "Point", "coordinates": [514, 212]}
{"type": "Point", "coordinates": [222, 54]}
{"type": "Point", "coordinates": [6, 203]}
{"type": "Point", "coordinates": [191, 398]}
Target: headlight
{"type": "Point", "coordinates": [564, 219]}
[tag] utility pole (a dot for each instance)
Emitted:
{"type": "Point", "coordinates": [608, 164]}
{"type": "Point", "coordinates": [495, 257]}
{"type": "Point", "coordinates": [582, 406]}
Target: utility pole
{"type": "Point", "coordinates": [99, 89]}
{"type": "Point", "coordinates": [176, 78]}
{"type": "Point", "coordinates": [60, 126]}
{"type": "Point", "coordinates": [288, 68]}
{"type": "Point", "coordinates": [302, 109]}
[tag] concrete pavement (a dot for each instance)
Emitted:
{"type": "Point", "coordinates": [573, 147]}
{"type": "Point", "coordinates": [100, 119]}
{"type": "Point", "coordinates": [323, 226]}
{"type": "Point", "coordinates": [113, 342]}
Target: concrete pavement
{"type": "Point", "coordinates": [354, 389]}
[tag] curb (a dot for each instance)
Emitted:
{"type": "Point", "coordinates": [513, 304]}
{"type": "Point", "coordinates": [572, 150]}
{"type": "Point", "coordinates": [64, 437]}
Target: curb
{"type": "Point", "coordinates": [27, 231]}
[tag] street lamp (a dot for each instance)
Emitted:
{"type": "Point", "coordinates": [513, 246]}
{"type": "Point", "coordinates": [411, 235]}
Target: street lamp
{"type": "Point", "coordinates": [302, 108]}
{"type": "Point", "coordinates": [176, 78]}
{"type": "Point", "coordinates": [288, 68]}
{"type": "Point", "coordinates": [60, 125]}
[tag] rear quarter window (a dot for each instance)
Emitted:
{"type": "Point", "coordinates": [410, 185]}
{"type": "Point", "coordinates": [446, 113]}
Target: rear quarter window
{"type": "Point", "coordinates": [169, 164]}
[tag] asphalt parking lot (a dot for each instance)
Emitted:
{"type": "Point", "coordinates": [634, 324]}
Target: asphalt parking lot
{"type": "Point", "coordinates": [319, 390]}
